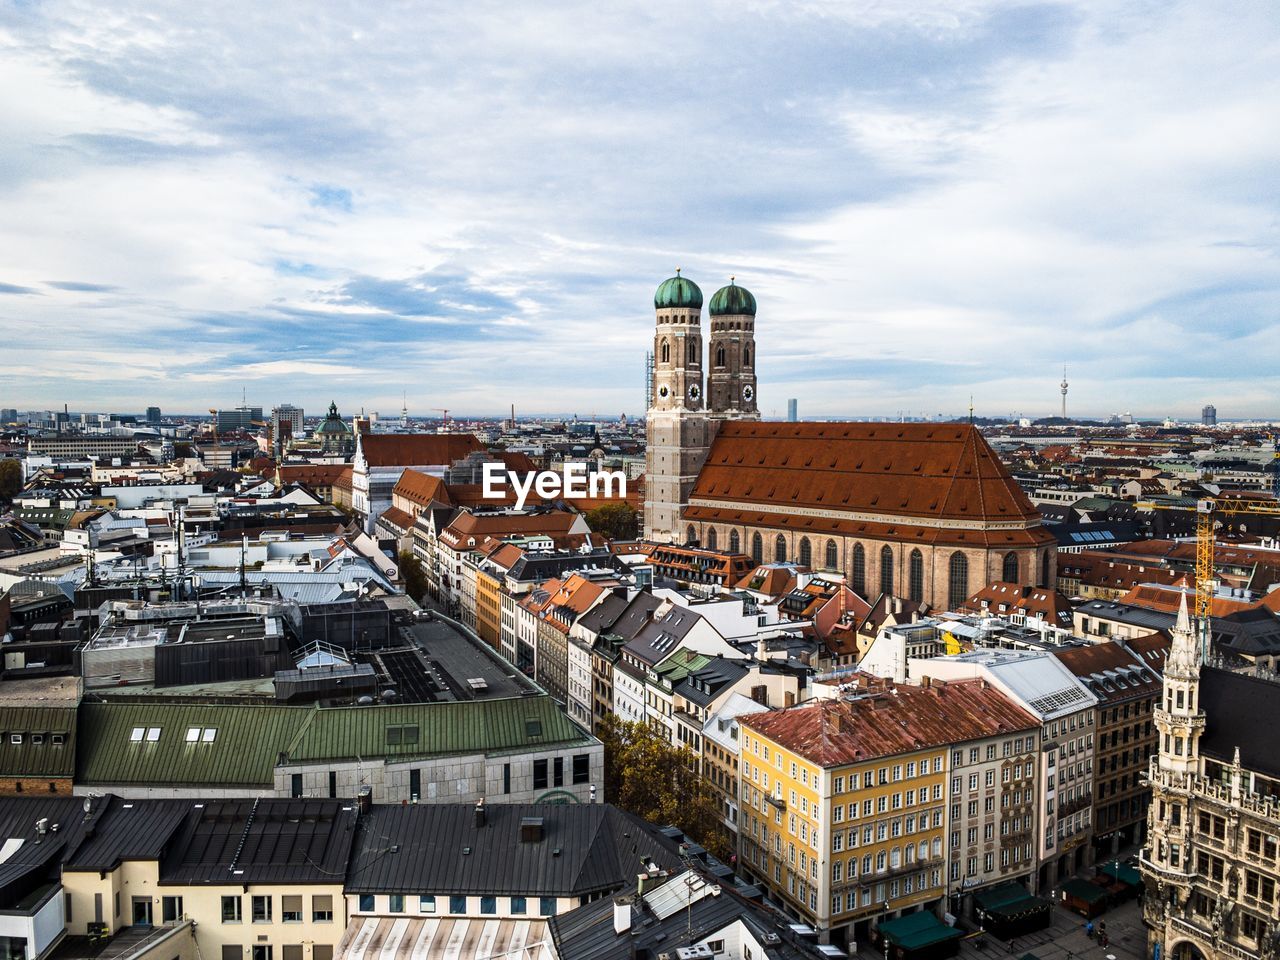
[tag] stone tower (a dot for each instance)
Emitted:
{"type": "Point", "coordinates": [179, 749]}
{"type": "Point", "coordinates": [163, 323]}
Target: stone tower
{"type": "Point", "coordinates": [677, 432]}
{"type": "Point", "coordinates": [731, 355]}
{"type": "Point", "coordinates": [1180, 721]}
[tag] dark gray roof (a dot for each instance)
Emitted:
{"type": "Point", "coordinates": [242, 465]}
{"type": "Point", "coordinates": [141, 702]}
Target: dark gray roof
{"type": "Point", "coordinates": [1240, 711]}
{"type": "Point", "coordinates": [36, 860]}
{"type": "Point", "coordinates": [702, 686]}
{"type": "Point", "coordinates": [657, 639]}
{"type": "Point", "coordinates": [1254, 632]}
{"type": "Point", "coordinates": [437, 848]}
{"type": "Point", "coordinates": [637, 615]}
{"type": "Point", "coordinates": [261, 841]}
{"type": "Point", "coordinates": [601, 618]}
{"type": "Point", "coordinates": [126, 830]}
{"type": "Point", "coordinates": [588, 933]}
{"type": "Point", "coordinates": [1127, 613]}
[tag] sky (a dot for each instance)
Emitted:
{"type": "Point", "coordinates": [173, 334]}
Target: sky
{"type": "Point", "coordinates": [470, 205]}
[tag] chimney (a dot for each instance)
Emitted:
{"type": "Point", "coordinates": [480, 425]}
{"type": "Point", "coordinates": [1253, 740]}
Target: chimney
{"type": "Point", "coordinates": [479, 814]}
{"type": "Point", "coordinates": [621, 915]}
{"type": "Point", "coordinates": [364, 800]}
{"type": "Point", "coordinates": [762, 649]}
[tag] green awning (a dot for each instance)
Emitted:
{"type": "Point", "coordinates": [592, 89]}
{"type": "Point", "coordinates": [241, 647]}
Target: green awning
{"type": "Point", "coordinates": [917, 930]}
{"type": "Point", "coordinates": [1084, 890]}
{"type": "Point", "coordinates": [1006, 898]}
{"type": "Point", "coordinates": [1123, 873]}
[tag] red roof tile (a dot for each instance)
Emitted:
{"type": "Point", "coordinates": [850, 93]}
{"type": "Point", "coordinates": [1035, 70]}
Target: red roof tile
{"type": "Point", "coordinates": [417, 449]}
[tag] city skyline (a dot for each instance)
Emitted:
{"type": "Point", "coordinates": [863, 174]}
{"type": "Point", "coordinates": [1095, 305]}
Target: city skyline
{"type": "Point", "coordinates": [929, 201]}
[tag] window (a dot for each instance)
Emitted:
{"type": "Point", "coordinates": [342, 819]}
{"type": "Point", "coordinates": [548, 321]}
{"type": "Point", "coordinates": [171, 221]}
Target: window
{"type": "Point", "coordinates": [1044, 569]}
{"type": "Point", "coordinates": [806, 553]}
{"type": "Point", "coordinates": [1009, 573]}
{"type": "Point", "coordinates": [291, 951]}
{"type": "Point", "coordinates": [426, 904]}
{"type": "Point", "coordinates": [262, 951]}
{"type": "Point", "coordinates": [735, 543]}
{"type": "Point", "coordinates": [489, 905]}
{"type": "Point", "coordinates": [291, 908]}
{"type": "Point", "coordinates": [886, 570]}
{"type": "Point", "coordinates": [261, 909]}
{"type": "Point", "coordinates": [833, 555]}
{"type": "Point", "coordinates": [170, 909]}
{"type": "Point", "coordinates": [519, 905]}
{"type": "Point", "coordinates": [557, 766]}
{"type": "Point", "coordinates": [457, 904]}
{"type": "Point", "coordinates": [395, 903]}
{"type": "Point", "coordinates": [915, 582]}
{"type": "Point", "coordinates": [547, 906]}
{"type": "Point", "coordinates": [958, 592]}
{"type": "Point", "coordinates": [136, 735]}
{"type": "Point", "coordinates": [193, 734]}
{"type": "Point", "coordinates": [711, 539]}
{"type": "Point", "coordinates": [581, 767]}
{"type": "Point", "coordinates": [231, 910]}
{"type": "Point", "coordinates": [232, 951]}
{"type": "Point", "coordinates": [757, 548]}
{"type": "Point", "coordinates": [720, 355]}
{"type": "Point", "coordinates": [780, 549]}
{"type": "Point", "coordinates": [540, 774]}
{"type": "Point", "coordinates": [322, 908]}
{"type": "Point", "coordinates": [295, 785]}
{"type": "Point", "coordinates": [366, 903]}
{"type": "Point", "coordinates": [858, 570]}
{"type": "Point", "coordinates": [666, 352]}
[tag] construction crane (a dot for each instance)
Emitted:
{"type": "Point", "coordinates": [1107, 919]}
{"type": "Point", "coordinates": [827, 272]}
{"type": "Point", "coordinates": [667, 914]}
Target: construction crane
{"type": "Point", "coordinates": [215, 425]}
{"type": "Point", "coordinates": [1206, 542]}
{"type": "Point", "coordinates": [444, 411]}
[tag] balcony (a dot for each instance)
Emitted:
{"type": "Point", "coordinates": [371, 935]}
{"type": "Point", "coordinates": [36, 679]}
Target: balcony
{"type": "Point", "coordinates": [1209, 943]}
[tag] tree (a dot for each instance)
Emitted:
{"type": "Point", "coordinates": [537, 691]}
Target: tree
{"type": "Point", "coordinates": [413, 574]}
{"type": "Point", "coordinates": [645, 775]}
{"type": "Point", "coordinates": [617, 521]}
{"type": "Point", "coordinates": [10, 479]}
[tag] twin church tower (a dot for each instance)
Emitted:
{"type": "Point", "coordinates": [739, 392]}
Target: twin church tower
{"type": "Point", "coordinates": [693, 393]}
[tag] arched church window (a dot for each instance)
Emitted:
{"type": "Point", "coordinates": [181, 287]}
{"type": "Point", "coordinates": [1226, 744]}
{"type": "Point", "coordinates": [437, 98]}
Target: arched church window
{"type": "Point", "coordinates": [692, 535]}
{"type": "Point", "coordinates": [757, 548]}
{"type": "Point", "coordinates": [746, 356]}
{"type": "Point", "coordinates": [858, 570]}
{"type": "Point", "coordinates": [1010, 572]}
{"type": "Point", "coordinates": [806, 553]}
{"type": "Point", "coordinates": [959, 589]}
{"type": "Point", "coordinates": [1044, 569]}
{"type": "Point", "coordinates": [720, 355]}
{"type": "Point", "coordinates": [915, 576]}
{"type": "Point", "coordinates": [735, 545]}
{"type": "Point", "coordinates": [886, 570]}
{"type": "Point", "coordinates": [711, 539]}
{"type": "Point", "coordinates": [833, 555]}
{"type": "Point", "coordinates": [780, 548]}
{"type": "Point", "coordinates": [693, 351]}
{"type": "Point", "coordinates": [666, 352]}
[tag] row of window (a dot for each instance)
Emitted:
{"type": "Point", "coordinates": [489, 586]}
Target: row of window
{"type": "Point", "coordinates": [19, 738]}
{"type": "Point", "coordinates": [1007, 749]}
{"type": "Point", "coordinates": [262, 908]}
{"type": "Point", "coordinates": [427, 904]}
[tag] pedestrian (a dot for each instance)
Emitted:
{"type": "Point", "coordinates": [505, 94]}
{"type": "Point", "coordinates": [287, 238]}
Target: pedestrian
{"type": "Point", "coordinates": [1088, 929]}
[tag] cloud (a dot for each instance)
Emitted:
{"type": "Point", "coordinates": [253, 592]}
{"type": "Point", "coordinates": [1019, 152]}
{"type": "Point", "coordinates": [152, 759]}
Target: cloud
{"type": "Point", "coordinates": [929, 199]}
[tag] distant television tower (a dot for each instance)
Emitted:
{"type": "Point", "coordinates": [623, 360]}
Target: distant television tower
{"type": "Point", "coordinates": [1064, 393]}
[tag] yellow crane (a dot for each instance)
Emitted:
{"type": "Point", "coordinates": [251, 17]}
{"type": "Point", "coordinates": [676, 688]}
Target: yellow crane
{"type": "Point", "coordinates": [1206, 541]}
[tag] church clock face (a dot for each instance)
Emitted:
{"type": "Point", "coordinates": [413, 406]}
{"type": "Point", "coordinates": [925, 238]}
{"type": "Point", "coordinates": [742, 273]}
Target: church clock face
{"type": "Point", "coordinates": [748, 394]}
{"type": "Point", "coordinates": [664, 391]}
{"type": "Point", "coordinates": [695, 391]}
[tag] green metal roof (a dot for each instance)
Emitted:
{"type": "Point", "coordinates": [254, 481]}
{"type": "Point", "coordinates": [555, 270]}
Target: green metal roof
{"type": "Point", "coordinates": [252, 740]}
{"type": "Point", "coordinates": [35, 754]}
{"type": "Point", "coordinates": [1123, 872]}
{"type": "Point", "coordinates": [917, 930]}
{"type": "Point", "coordinates": [677, 291]}
{"type": "Point", "coordinates": [1083, 890]}
{"type": "Point", "coordinates": [517, 724]}
{"type": "Point", "coordinates": [732, 301]}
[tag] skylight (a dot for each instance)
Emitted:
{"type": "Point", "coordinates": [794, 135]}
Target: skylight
{"type": "Point", "coordinates": [136, 735]}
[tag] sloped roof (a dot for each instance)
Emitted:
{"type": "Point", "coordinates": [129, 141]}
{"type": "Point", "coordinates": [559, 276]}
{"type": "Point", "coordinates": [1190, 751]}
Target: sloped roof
{"type": "Point", "coordinates": [416, 449]}
{"type": "Point", "coordinates": [873, 478]}
{"type": "Point", "coordinates": [1240, 711]}
{"type": "Point", "coordinates": [38, 759]}
{"type": "Point", "coordinates": [422, 489]}
{"type": "Point", "coordinates": [584, 849]}
{"type": "Point", "coordinates": [900, 719]}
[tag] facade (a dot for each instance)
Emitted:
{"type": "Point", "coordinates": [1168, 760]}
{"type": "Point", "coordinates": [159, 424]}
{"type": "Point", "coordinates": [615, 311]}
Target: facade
{"type": "Point", "coordinates": [1210, 864]}
{"type": "Point", "coordinates": [844, 814]}
{"type": "Point", "coordinates": [381, 458]}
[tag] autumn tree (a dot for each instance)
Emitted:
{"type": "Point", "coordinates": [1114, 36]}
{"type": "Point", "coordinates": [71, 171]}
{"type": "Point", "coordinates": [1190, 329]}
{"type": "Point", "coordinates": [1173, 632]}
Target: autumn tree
{"type": "Point", "coordinates": [617, 521]}
{"type": "Point", "coordinates": [646, 775]}
{"type": "Point", "coordinates": [413, 574]}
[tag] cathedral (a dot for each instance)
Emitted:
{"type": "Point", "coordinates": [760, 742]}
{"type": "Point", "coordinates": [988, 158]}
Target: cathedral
{"type": "Point", "coordinates": [922, 511]}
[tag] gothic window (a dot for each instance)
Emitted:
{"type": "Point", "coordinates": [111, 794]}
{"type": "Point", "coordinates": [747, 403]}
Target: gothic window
{"type": "Point", "coordinates": [780, 549]}
{"type": "Point", "coordinates": [693, 351]}
{"type": "Point", "coordinates": [666, 352]}
{"type": "Point", "coordinates": [735, 545]}
{"type": "Point", "coordinates": [806, 553]}
{"type": "Point", "coordinates": [915, 585]}
{"type": "Point", "coordinates": [1044, 569]}
{"type": "Point", "coordinates": [746, 356]}
{"type": "Point", "coordinates": [1010, 572]}
{"type": "Point", "coordinates": [693, 535]}
{"type": "Point", "coordinates": [959, 589]}
{"type": "Point", "coordinates": [720, 355]}
{"type": "Point", "coordinates": [886, 570]}
{"type": "Point", "coordinates": [711, 539]}
{"type": "Point", "coordinates": [757, 548]}
{"type": "Point", "coordinates": [858, 570]}
{"type": "Point", "coordinates": [833, 555]}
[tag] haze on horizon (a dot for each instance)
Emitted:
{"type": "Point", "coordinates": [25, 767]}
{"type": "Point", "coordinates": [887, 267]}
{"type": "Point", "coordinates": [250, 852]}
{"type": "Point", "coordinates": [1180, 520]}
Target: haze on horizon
{"type": "Point", "coordinates": [928, 199]}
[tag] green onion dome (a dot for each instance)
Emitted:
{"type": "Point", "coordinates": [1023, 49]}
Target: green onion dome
{"type": "Point", "coordinates": [678, 291]}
